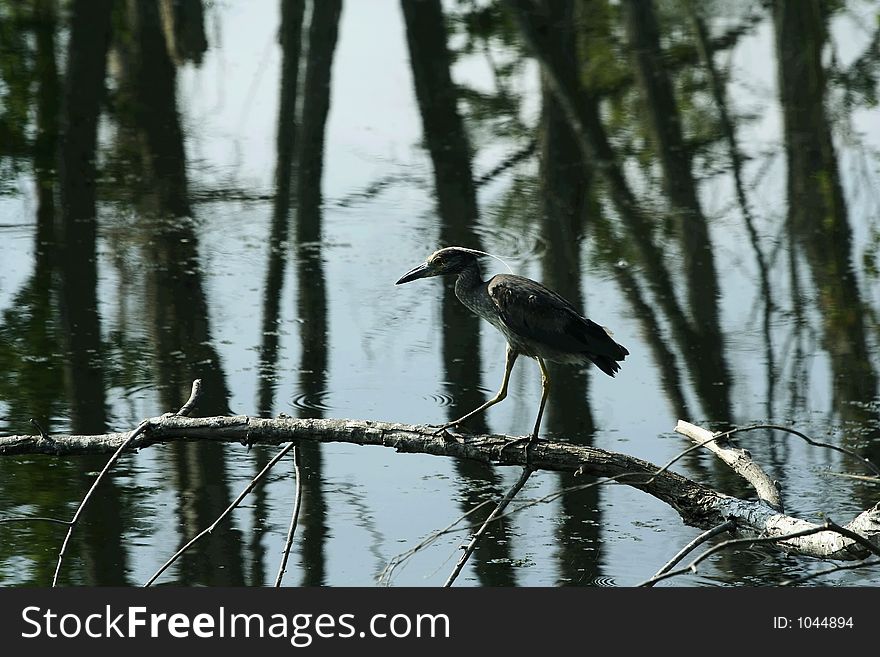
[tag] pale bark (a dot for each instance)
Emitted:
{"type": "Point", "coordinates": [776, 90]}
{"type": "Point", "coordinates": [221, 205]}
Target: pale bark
{"type": "Point", "coordinates": [698, 505]}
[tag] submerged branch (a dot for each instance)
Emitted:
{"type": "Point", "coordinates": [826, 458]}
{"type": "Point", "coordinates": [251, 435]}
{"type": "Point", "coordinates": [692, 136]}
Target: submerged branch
{"type": "Point", "coordinates": [497, 511]}
{"type": "Point", "coordinates": [229, 509]}
{"type": "Point", "coordinates": [294, 518]}
{"type": "Point", "coordinates": [127, 442]}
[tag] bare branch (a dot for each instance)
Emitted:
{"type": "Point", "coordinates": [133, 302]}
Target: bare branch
{"type": "Point", "coordinates": [694, 501]}
{"type": "Point", "coordinates": [222, 516]}
{"type": "Point", "coordinates": [739, 460]}
{"type": "Point", "coordinates": [858, 538]}
{"type": "Point", "coordinates": [57, 521]}
{"type": "Point", "coordinates": [293, 518]}
{"type": "Point", "coordinates": [194, 395]}
{"type": "Point", "coordinates": [867, 563]}
{"type": "Point", "coordinates": [516, 488]}
{"type": "Point", "coordinates": [394, 562]}
{"type": "Point", "coordinates": [698, 505]}
{"type": "Point", "coordinates": [692, 566]}
{"type": "Point", "coordinates": [847, 475]}
{"type": "Point", "coordinates": [43, 434]}
{"type": "Point", "coordinates": [816, 443]}
{"type": "Point", "coordinates": [699, 540]}
{"type": "Point", "coordinates": [141, 428]}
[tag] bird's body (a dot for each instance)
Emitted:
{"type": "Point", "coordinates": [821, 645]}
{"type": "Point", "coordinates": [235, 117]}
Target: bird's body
{"type": "Point", "coordinates": [536, 321]}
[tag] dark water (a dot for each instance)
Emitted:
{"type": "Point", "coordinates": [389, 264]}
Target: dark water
{"type": "Point", "coordinates": [230, 191]}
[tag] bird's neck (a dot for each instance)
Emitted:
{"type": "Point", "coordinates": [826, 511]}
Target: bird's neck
{"type": "Point", "coordinates": [469, 279]}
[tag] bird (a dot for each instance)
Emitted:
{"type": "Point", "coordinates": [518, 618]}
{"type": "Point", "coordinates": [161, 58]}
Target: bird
{"type": "Point", "coordinates": [536, 321]}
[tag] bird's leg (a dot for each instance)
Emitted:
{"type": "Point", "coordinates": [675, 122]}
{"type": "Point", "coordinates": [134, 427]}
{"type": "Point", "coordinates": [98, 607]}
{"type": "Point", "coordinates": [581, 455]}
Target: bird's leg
{"type": "Point", "coordinates": [502, 393]}
{"type": "Point", "coordinates": [545, 392]}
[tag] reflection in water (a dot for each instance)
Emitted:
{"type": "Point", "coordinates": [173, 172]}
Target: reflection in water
{"type": "Point", "coordinates": [818, 222]}
{"type": "Point", "coordinates": [100, 544]}
{"type": "Point", "coordinates": [30, 339]}
{"type": "Point", "coordinates": [312, 286]}
{"type": "Point", "coordinates": [46, 141]}
{"type": "Point", "coordinates": [175, 286]}
{"type": "Point", "coordinates": [565, 180]}
{"type": "Point", "coordinates": [76, 226]}
{"type": "Point", "coordinates": [704, 351]}
{"type": "Point", "coordinates": [290, 39]}
{"type": "Point", "coordinates": [642, 170]}
{"type": "Point", "coordinates": [581, 107]}
{"type": "Point", "coordinates": [719, 95]}
{"type": "Point", "coordinates": [177, 307]}
{"type": "Point", "coordinates": [447, 144]}
{"type": "Point", "coordinates": [31, 383]}
{"type": "Point", "coordinates": [312, 304]}
{"type": "Point", "coordinates": [183, 23]}
{"type": "Point", "coordinates": [437, 97]}
{"type": "Point", "coordinates": [696, 252]}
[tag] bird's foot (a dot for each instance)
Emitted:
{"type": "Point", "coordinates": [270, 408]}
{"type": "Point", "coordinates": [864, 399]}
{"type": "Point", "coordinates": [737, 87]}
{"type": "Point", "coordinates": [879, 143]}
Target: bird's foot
{"type": "Point", "coordinates": [442, 431]}
{"type": "Point", "coordinates": [528, 440]}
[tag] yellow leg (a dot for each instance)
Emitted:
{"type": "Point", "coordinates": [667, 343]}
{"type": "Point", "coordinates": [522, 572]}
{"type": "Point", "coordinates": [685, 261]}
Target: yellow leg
{"type": "Point", "coordinates": [502, 393]}
{"type": "Point", "coordinates": [545, 391]}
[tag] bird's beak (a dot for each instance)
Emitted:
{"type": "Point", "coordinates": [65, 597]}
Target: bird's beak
{"type": "Point", "coordinates": [424, 270]}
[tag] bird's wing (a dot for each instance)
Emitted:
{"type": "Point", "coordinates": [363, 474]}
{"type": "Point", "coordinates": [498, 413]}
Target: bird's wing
{"type": "Point", "coordinates": [537, 313]}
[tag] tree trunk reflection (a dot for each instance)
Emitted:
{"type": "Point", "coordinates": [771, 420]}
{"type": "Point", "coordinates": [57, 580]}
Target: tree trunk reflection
{"type": "Point", "coordinates": [312, 292]}
{"type": "Point", "coordinates": [817, 214]}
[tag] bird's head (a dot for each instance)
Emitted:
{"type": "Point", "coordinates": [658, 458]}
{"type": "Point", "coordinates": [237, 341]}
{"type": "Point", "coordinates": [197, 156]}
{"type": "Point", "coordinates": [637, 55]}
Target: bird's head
{"type": "Point", "coordinates": [451, 260]}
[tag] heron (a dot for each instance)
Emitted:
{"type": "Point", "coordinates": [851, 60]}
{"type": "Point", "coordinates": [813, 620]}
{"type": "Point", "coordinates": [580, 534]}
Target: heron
{"type": "Point", "coordinates": [536, 321]}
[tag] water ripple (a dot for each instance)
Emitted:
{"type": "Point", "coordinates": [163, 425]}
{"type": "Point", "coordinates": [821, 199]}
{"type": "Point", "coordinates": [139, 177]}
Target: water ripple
{"type": "Point", "coordinates": [441, 399]}
{"type": "Point", "coordinates": [603, 581]}
{"type": "Point", "coordinates": [516, 244]}
{"type": "Point", "coordinates": [313, 401]}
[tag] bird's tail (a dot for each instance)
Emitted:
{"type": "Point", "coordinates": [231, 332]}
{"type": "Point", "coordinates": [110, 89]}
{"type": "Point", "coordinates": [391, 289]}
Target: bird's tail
{"type": "Point", "coordinates": [609, 364]}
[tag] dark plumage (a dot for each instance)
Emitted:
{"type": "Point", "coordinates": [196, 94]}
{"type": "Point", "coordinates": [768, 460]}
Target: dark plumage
{"type": "Point", "coordinates": [536, 321]}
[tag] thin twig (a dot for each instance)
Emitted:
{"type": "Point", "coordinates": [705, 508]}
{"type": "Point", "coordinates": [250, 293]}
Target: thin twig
{"type": "Point", "coordinates": [853, 536]}
{"type": "Point", "coordinates": [699, 540]}
{"type": "Point", "coordinates": [222, 516]}
{"type": "Point", "coordinates": [186, 409]}
{"type": "Point", "coordinates": [139, 430]}
{"type": "Point", "coordinates": [526, 473]}
{"type": "Point", "coordinates": [816, 443]}
{"type": "Point", "coordinates": [847, 475]}
{"type": "Point", "coordinates": [827, 526]}
{"type": "Point", "coordinates": [293, 518]}
{"type": "Point", "coordinates": [143, 426]}
{"type": "Point", "coordinates": [515, 158]}
{"type": "Point", "coordinates": [867, 563]}
{"type": "Point", "coordinates": [43, 434]}
{"type": "Point", "coordinates": [665, 466]}
{"type": "Point", "coordinates": [395, 561]}
{"type": "Point", "coordinates": [57, 521]}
